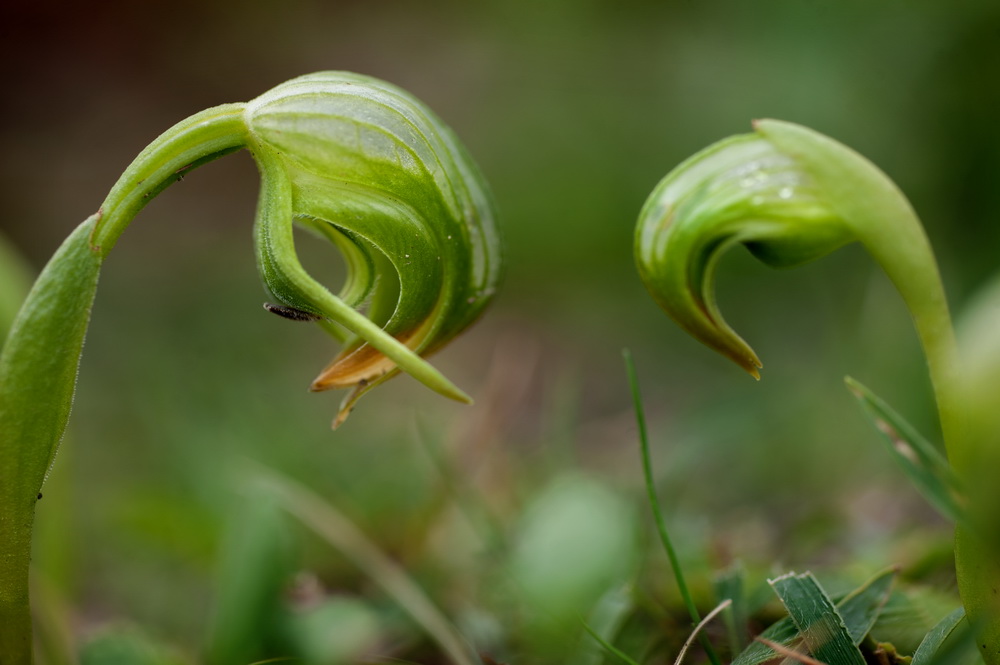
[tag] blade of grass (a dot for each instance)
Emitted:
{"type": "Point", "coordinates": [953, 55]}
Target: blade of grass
{"type": "Point", "coordinates": [730, 585]}
{"type": "Point", "coordinates": [336, 529]}
{"type": "Point", "coordinates": [606, 619]}
{"type": "Point", "coordinates": [818, 621]}
{"type": "Point", "coordinates": [859, 609]}
{"type": "Point", "coordinates": [610, 648]}
{"type": "Point", "coordinates": [469, 501]}
{"type": "Point", "coordinates": [256, 560]}
{"type": "Point", "coordinates": [922, 462]}
{"type": "Point", "coordinates": [654, 503]}
{"type": "Point", "coordinates": [929, 648]}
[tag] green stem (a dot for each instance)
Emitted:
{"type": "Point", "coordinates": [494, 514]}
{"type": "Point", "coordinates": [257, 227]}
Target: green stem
{"type": "Point", "coordinates": [654, 503]}
{"type": "Point", "coordinates": [41, 356]}
{"type": "Point", "coordinates": [885, 223]}
{"type": "Point", "coordinates": [881, 218]}
{"type": "Point", "coordinates": [197, 140]}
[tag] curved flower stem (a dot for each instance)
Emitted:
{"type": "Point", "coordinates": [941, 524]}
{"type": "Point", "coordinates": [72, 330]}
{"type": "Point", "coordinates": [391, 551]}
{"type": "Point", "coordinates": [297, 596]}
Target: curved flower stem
{"type": "Point", "coordinates": [40, 359]}
{"type": "Point", "coordinates": [194, 141]}
{"type": "Point", "coordinates": [397, 150]}
{"type": "Point", "coordinates": [887, 226]}
{"type": "Point", "coordinates": [884, 222]}
{"type": "Point", "coordinates": [790, 195]}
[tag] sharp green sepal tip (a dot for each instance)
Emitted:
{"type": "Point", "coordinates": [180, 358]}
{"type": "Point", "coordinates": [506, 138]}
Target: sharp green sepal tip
{"type": "Point", "coordinates": [742, 190]}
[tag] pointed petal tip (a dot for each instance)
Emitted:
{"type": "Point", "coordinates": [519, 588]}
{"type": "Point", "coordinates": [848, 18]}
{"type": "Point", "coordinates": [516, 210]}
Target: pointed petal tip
{"type": "Point", "coordinates": [340, 418]}
{"type": "Point", "coordinates": [451, 391]}
{"type": "Point", "coordinates": [750, 363]}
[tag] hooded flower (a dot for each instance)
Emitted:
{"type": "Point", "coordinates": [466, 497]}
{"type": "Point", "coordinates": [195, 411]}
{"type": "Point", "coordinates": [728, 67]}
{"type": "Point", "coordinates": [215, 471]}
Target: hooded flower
{"type": "Point", "coordinates": [365, 165]}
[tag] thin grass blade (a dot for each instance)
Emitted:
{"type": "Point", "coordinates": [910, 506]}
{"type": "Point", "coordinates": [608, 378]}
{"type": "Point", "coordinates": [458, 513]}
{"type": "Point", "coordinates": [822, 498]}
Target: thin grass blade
{"type": "Point", "coordinates": [605, 621]}
{"type": "Point", "coordinates": [861, 608]}
{"type": "Point", "coordinates": [930, 648]}
{"type": "Point", "coordinates": [731, 585]}
{"type": "Point", "coordinates": [337, 530]}
{"type": "Point", "coordinates": [610, 648]}
{"type": "Point", "coordinates": [654, 504]}
{"type": "Point", "coordinates": [922, 462]}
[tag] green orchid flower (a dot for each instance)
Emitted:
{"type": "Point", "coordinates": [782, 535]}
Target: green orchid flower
{"type": "Point", "coordinates": [356, 160]}
{"type": "Point", "coordinates": [790, 195]}
{"type": "Point", "coordinates": [365, 165]}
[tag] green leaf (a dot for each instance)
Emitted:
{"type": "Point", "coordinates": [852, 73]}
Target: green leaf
{"type": "Point", "coordinates": [38, 368]}
{"type": "Point", "coordinates": [923, 464]}
{"type": "Point", "coordinates": [928, 651]}
{"type": "Point", "coordinates": [819, 624]}
{"type": "Point", "coordinates": [858, 610]}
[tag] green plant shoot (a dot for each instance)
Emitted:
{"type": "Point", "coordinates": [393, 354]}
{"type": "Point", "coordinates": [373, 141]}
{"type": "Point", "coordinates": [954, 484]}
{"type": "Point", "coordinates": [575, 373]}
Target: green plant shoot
{"type": "Point", "coordinates": [789, 195]}
{"type": "Point", "coordinates": [357, 161]}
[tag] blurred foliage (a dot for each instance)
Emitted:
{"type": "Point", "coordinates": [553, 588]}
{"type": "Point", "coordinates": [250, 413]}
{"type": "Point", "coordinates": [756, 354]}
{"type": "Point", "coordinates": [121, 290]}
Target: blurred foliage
{"type": "Point", "coordinates": [574, 110]}
{"type": "Point", "coordinates": [15, 281]}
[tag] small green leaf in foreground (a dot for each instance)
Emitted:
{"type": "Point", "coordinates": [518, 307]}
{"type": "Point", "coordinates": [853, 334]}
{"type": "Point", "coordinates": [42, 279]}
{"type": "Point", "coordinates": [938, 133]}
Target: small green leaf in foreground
{"type": "Point", "coordinates": [820, 625]}
{"type": "Point", "coordinates": [859, 610]}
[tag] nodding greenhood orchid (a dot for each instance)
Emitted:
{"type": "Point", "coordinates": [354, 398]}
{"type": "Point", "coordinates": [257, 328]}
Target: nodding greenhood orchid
{"type": "Point", "coordinates": [355, 160]}
{"type": "Point", "coordinates": [790, 194]}
{"type": "Point", "coordinates": [368, 167]}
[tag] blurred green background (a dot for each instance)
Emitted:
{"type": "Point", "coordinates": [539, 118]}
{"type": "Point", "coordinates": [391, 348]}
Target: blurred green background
{"type": "Point", "coordinates": [574, 110]}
